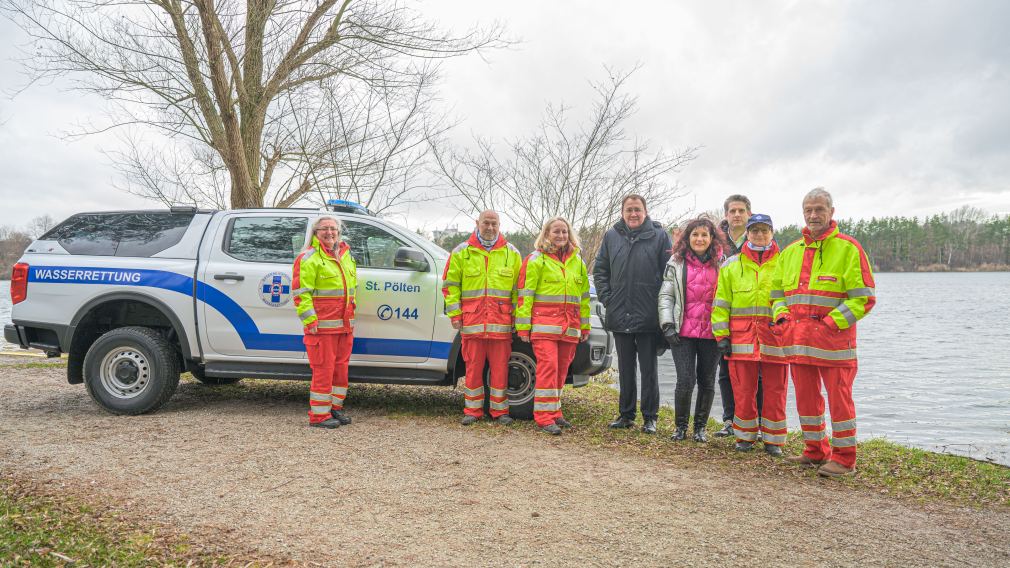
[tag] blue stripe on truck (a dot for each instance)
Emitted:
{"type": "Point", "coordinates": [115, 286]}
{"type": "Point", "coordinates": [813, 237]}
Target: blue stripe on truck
{"type": "Point", "coordinates": [244, 325]}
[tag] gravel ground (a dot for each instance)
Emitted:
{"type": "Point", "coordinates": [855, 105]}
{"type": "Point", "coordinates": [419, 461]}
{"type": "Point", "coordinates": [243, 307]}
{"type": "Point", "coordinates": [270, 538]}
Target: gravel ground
{"type": "Point", "coordinates": [395, 491]}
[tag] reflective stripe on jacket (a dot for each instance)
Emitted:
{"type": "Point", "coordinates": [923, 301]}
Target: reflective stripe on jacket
{"type": "Point", "coordinates": [553, 297]}
{"type": "Point", "coordinates": [742, 309]}
{"type": "Point", "coordinates": [826, 286]}
{"type": "Point", "coordinates": [324, 288]}
{"type": "Point", "coordinates": [480, 287]}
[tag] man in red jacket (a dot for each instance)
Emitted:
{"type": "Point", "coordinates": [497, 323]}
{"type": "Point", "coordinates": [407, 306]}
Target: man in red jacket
{"type": "Point", "coordinates": [822, 286]}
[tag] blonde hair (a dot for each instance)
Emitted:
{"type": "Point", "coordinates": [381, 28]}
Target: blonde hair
{"type": "Point", "coordinates": [543, 242]}
{"type": "Point", "coordinates": [315, 227]}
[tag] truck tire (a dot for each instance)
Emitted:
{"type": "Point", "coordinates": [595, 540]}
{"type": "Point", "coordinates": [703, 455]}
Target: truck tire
{"type": "Point", "coordinates": [522, 380]}
{"type": "Point", "coordinates": [131, 370]}
{"type": "Point", "coordinates": [199, 375]}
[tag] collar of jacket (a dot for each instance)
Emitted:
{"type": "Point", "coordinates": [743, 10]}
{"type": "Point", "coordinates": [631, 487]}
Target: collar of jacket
{"type": "Point", "coordinates": [569, 252]}
{"type": "Point", "coordinates": [809, 239]}
{"type": "Point", "coordinates": [474, 242]}
{"type": "Point", "coordinates": [759, 258]}
{"type": "Point", "coordinates": [341, 248]}
{"type": "Point", "coordinates": [646, 231]}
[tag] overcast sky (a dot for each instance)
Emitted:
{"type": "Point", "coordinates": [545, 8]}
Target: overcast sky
{"type": "Point", "coordinates": [897, 108]}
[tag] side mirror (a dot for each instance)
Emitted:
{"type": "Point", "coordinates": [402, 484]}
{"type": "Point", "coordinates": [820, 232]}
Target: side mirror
{"type": "Point", "coordinates": [410, 259]}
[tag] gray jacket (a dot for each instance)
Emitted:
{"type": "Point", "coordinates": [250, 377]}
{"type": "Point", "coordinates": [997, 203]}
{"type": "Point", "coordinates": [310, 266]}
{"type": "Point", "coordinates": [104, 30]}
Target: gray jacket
{"type": "Point", "coordinates": [671, 295]}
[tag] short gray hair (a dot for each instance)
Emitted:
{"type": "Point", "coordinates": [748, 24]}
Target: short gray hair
{"type": "Point", "coordinates": [818, 193]}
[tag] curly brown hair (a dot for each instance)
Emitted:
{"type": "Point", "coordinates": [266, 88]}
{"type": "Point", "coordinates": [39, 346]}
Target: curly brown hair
{"type": "Point", "coordinates": [715, 248]}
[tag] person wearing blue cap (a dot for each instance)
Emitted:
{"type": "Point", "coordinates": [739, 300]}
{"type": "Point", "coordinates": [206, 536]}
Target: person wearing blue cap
{"type": "Point", "coordinates": [737, 210]}
{"type": "Point", "coordinates": [742, 325]}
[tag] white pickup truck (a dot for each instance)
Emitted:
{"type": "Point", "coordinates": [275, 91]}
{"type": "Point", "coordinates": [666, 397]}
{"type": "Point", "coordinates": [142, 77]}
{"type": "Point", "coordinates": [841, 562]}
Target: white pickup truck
{"type": "Point", "coordinates": [134, 298]}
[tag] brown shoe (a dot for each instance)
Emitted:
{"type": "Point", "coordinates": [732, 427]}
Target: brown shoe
{"type": "Point", "coordinates": [805, 461]}
{"type": "Point", "coordinates": [835, 469]}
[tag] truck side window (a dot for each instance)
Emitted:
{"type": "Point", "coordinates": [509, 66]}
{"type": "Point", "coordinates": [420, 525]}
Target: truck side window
{"type": "Point", "coordinates": [136, 234]}
{"type": "Point", "coordinates": [371, 246]}
{"type": "Point", "coordinates": [146, 234]}
{"type": "Point", "coordinates": [265, 239]}
{"type": "Point", "coordinates": [88, 234]}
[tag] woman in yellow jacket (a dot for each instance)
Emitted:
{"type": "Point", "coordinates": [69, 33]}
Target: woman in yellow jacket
{"type": "Point", "coordinates": [325, 279]}
{"type": "Point", "coordinates": [553, 314]}
{"type": "Point", "coordinates": [742, 325]}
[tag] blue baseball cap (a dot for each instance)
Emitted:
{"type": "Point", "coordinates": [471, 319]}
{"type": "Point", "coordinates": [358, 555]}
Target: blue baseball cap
{"type": "Point", "coordinates": [760, 218]}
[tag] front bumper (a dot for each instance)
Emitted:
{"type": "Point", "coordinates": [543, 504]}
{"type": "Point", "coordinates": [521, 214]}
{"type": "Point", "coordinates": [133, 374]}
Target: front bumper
{"type": "Point", "coordinates": [592, 357]}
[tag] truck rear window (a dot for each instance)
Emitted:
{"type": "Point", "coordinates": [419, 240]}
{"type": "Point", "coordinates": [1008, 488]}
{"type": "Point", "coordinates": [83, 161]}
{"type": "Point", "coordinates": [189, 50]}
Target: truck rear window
{"type": "Point", "coordinates": [136, 234]}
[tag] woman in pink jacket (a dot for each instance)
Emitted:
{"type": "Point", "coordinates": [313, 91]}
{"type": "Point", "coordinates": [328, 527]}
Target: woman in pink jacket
{"type": "Point", "coordinates": [685, 314]}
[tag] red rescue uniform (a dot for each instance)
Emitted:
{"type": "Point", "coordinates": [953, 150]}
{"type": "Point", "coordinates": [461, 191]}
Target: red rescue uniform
{"type": "Point", "coordinates": [824, 286]}
{"type": "Point", "coordinates": [742, 311]}
{"type": "Point", "coordinates": [325, 284]}
{"type": "Point", "coordinates": [479, 287]}
{"type": "Point", "coordinates": [554, 313]}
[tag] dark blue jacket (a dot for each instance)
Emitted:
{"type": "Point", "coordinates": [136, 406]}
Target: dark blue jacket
{"type": "Point", "coordinates": [628, 273]}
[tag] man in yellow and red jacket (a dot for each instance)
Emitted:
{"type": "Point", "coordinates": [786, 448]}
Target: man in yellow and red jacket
{"type": "Point", "coordinates": [325, 281]}
{"type": "Point", "coordinates": [822, 286]}
{"type": "Point", "coordinates": [479, 285]}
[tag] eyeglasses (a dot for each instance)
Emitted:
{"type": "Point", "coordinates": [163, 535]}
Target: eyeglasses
{"type": "Point", "coordinates": [333, 229]}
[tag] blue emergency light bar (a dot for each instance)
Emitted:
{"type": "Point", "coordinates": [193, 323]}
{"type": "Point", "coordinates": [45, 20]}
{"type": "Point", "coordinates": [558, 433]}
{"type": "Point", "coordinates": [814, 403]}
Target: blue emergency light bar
{"type": "Point", "coordinates": [346, 206]}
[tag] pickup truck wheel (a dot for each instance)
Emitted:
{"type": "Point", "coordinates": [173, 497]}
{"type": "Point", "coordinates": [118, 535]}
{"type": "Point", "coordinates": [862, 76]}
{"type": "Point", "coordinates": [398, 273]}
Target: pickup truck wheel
{"type": "Point", "coordinates": [131, 370]}
{"type": "Point", "coordinates": [522, 381]}
{"type": "Point", "coordinates": [213, 381]}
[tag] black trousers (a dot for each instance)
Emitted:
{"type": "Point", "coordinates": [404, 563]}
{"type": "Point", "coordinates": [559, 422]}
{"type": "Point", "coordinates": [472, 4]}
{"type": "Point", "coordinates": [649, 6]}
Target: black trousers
{"type": "Point", "coordinates": [696, 361]}
{"type": "Point", "coordinates": [640, 347]}
{"type": "Point", "coordinates": [726, 392]}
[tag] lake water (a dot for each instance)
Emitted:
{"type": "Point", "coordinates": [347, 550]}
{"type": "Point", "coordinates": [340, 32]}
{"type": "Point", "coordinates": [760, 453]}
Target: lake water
{"type": "Point", "coordinates": [934, 363]}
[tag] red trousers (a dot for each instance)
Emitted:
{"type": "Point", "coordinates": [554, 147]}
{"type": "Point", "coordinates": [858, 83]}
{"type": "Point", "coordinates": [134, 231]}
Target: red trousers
{"type": "Point", "coordinates": [329, 354]}
{"type": "Point", "coordinates": [553, 359]}
{"type": "Point", "coordinates": [807, 380]}
{"type": "Point", "coordinates": [743, 375]}
{"type": "Point", "coordinates": [496, 353]}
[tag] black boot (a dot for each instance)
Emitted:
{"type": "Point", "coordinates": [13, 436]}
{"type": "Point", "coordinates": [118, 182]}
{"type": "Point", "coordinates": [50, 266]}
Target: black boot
{"type": "Point", "coordinates": [679, 434]}
{"type": "Point", "coordinates": [622, 422]}
{"type": "Point", "coordinates": [702, 408]}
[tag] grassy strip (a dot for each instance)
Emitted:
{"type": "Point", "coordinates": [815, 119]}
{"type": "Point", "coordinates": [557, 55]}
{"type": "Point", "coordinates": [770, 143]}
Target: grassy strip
{"type": "Point", "coordinates": [41, 529]}
{"type": "Point", "coordinates": [884, 467]}
{"type": "Point", "coordinates": [40, 365]}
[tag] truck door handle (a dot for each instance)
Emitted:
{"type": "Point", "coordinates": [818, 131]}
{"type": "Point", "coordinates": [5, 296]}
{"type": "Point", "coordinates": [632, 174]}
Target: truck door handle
{"type": "Point", "coordinates": [237, 277]}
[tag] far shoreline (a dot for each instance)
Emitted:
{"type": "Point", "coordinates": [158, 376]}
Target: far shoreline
{"type": "Point", "coordinates": [945, 268]}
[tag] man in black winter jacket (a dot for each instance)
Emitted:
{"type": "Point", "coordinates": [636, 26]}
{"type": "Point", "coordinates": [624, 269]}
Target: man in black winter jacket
{"type": "Point", "coordinates": [628, 273]}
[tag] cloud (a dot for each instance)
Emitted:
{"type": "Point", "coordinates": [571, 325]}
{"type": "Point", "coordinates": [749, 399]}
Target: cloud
{"type": "Point", "coordinates": [899, 108]}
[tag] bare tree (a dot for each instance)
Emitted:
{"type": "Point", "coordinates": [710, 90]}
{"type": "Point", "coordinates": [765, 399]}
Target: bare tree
{"type": "Point", "coordinates": [38, 226]}
{"type": "Point", "coordinates": [579, 172]}
{"type": "Point", "coordinates": [238, 89]}
{"type": "Point", "coordinates": [12, 245]}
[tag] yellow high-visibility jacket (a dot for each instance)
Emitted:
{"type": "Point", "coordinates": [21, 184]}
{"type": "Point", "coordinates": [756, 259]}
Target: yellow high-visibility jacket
{"type": "Point", "coordinates": [553, 297]}
{"type": "Point", "coordinates": [479, 287]}
{"type": "Point", "coordinates": [742, 309]}
{"type": "Point", "coordinates": [324, 288]}
{"type": "Point", "coordinates": [824, 286]}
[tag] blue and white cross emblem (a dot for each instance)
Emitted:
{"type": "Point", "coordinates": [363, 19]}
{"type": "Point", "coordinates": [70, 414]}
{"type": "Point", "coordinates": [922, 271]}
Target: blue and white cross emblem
{"type": "Point", "coordinates": [275, 289]}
